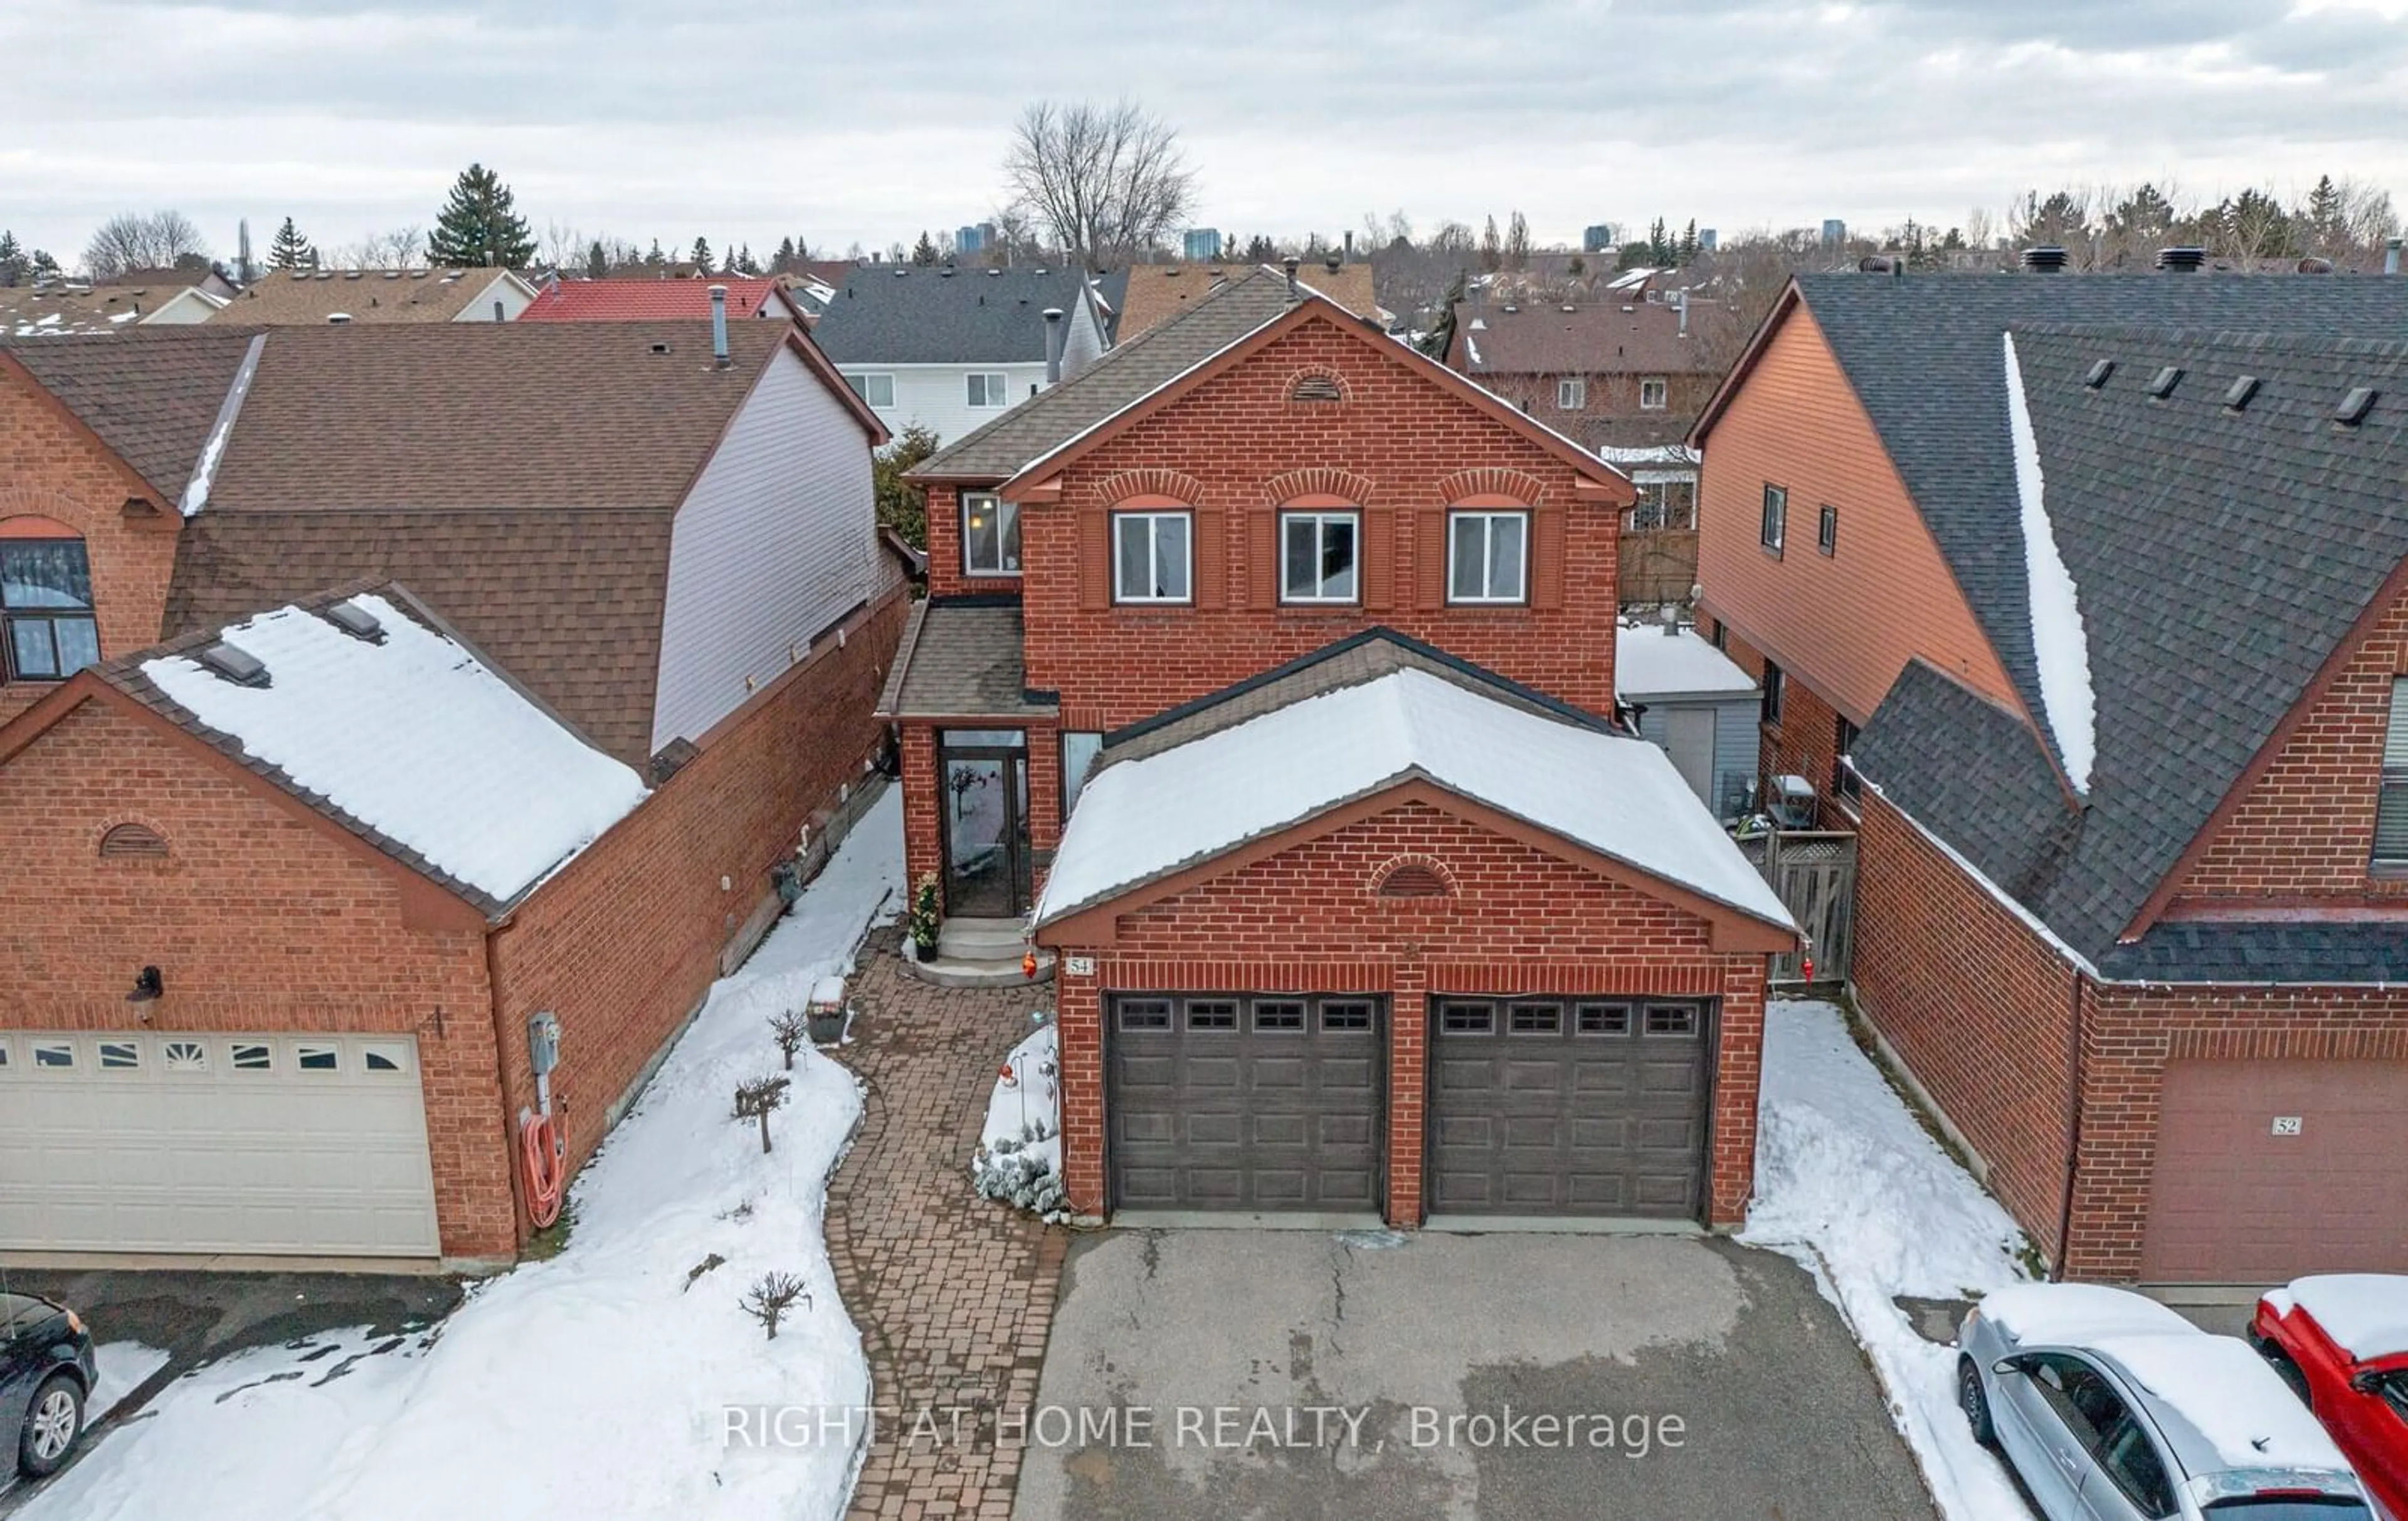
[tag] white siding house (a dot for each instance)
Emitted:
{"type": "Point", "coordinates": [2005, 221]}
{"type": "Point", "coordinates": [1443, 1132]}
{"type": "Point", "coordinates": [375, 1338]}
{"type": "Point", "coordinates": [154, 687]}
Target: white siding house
{"type": "Point", "coordinates": [777, 541]}
{"type": "Point", "coordinates": [938, 396]}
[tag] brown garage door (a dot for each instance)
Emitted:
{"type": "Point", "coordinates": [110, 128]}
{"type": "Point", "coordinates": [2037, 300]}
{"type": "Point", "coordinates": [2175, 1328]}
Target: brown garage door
{"type": "Point", "coordinates": [1245, 1101]}
{"type": "Point", "coordinates": [2269, 1170]}
{"type": "Point", "coordinates": [1568, 1108]}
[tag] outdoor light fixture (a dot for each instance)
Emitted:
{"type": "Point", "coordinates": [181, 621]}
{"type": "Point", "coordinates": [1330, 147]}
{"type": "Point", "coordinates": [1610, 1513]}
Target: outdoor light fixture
{"type": "Point", "coordinates": [146, 986]}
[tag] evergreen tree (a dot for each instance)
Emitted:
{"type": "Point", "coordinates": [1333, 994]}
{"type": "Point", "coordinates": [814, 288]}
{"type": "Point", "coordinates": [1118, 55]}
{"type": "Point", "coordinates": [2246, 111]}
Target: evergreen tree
{"type": "Point", "coordinates": [597, 263]}
{"type": "Point", "coordinates": [2326, 215]}
{"type": "Point", "coordinates": [745, 263]}
{"type": "Point", "coordinates": [656, 258]}
{"type": "Point", "coordinates": [783, 262]}
{"type": "Point", "coordinates": [923, 253]}
{"type": "Point", "coordinates": [45, 267]}
{"type": "Point", "coordinates": [291, 250]}
{"type": "Point", "coordinates": [701, 256]}
{"type": "Point", "coordinates": [1517, 242]}
{"type": "Point", "coordinates": [902, 506]}
{"type": "Point", "coordinates": [1689, 242]}
{"type": "Point", "coordinates": [478, 224]}
{"type": "Point", "coordinates": [14, 265]}
{"type": "Point", "coordinates": [1260, 250]}
{"type": "Point", "coordinates": [1492, 247]}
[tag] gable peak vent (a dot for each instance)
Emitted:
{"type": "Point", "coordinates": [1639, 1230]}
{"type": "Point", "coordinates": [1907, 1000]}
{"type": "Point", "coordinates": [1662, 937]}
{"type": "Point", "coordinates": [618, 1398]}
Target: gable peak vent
{"type": "Point", "coordinates": [1316, 388]}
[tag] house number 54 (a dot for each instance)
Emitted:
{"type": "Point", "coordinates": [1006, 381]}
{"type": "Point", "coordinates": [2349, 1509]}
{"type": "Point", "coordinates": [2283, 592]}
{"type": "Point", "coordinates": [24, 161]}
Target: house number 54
{"type": "Point", "coordinates": [2286, 1125]}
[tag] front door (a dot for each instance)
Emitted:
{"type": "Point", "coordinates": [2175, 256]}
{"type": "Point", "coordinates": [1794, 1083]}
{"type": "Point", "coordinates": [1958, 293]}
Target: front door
{"type": "Point", "coordinates": [985, 810]}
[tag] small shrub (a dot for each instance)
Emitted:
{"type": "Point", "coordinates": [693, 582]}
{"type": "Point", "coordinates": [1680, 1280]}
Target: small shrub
{"type": "Point", "coordinates": [790, 1030]}
{"type": "Point", "coordinates": [759, 1099]}
{"type": "Point", "coordinates": [768, 1299]}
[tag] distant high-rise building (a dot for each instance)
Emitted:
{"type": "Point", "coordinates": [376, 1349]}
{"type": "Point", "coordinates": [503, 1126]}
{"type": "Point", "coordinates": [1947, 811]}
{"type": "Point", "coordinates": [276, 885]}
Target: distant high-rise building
{"type": "Point", "coordinates": [1706, 239]}
{"type": "Point", "coordinates": [1835, 232]}
{"type": "Point", "coordinates": [968, 240]}
{"type": "Point", "coordinates": [1203, 243]}
{"type": "Point", "coordinates": [1596, 238]}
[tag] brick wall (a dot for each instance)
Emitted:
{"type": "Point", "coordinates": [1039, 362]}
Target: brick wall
{"type": "Point", "coordinates": [50, 468]}
{"type": "Point", "coordinates": [1609, 399]}
{"type": "Point", "coordinates": [2306, 830]}
{"type": "Point", "coordinates": [258, 920]}
{"type": "Point", "coordinates": [1519, 920]}
{"type": "Point", "coordinates": [1976, 1004]}
{"type": "Point", "coordinates": [923, 848]}
{"type": "Point", "coordinates": [1806, 741]}
{"type": "Point", "coordinates": [1235, 448]}
{"type": "Point", "coordinates": [945, 575]}
{"type": "Point", "coordinates": [623, 943]}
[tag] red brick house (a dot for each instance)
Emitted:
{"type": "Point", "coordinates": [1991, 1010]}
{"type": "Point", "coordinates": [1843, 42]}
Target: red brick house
{"type": "Point", "coordinates": [2083, 607]}
{"type": "Point", "coordinates": [679, 577]}
{"type": "Point", "coordinates": [1260, 676]}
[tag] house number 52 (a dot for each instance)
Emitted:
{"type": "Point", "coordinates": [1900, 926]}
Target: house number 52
{"type": "Point", "coordinates": [2286, 1125]}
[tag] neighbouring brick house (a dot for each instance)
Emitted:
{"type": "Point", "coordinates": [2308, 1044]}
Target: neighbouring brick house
{"type": "Point", "coordinates": [1625, 376]}
{"type": "Point", "coordinates": [2099, 581]}
{"type": "Point", "coordinates": [1263, 673]}
{"type": "Point", "coordinates": [660, 300]}
{"type": "Point", "coordinates": [677, 570]}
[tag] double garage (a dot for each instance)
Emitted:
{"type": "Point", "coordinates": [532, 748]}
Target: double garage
{"type": "Point", "coordinates": [1538, 1107]}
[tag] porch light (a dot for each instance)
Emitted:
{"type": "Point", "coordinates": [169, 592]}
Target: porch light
{"type": "Point", "coordinates": [147, 985]}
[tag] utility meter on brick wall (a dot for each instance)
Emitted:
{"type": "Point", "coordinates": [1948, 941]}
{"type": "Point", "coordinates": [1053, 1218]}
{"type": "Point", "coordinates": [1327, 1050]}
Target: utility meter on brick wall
{"type": "Point", "coordinates": [543, 1043]}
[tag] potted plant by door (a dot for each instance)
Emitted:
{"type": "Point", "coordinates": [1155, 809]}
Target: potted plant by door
{"type": "Point", "coordinates": [925, 921]}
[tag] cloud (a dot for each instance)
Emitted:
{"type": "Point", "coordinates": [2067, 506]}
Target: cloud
{"type": "Point", "coordinates": [870, 122]}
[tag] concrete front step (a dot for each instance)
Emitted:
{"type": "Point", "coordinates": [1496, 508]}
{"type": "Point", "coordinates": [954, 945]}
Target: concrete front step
{"type": "Point", "coordinates": [950, 972]}
{"type": "Point", "coordinates": [982, 939]}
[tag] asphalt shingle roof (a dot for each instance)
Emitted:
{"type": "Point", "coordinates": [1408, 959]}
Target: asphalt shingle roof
{"type": "Point", "coordinates": [309, 297]}
{"type": "Point", "coordinates": [904, 315]}
{"type": "Point", "coordinates": [1132, 370]}
{"type": "Point", "coordinates": [2220, 555]}
{"type": "Point", "coordinates": [150, 393]}
{"type": "Point", "coordinates": [961, 660]}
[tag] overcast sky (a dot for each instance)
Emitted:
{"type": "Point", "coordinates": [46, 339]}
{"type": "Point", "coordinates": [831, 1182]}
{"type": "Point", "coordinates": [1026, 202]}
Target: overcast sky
{"type": "Point", "coordinates": [870, 120]}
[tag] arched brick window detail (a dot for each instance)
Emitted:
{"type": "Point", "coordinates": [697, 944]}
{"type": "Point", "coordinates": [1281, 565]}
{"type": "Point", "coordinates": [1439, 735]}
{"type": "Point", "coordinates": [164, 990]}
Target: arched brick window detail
{"type": "Point", "coordinates": [134, 842]}
{"type": "Point", "coordinates": [49, 629]}
{"type": "Point", "coordinates": [1412, 878]}
{"type": "Point", "coordinates": [1314, 387]}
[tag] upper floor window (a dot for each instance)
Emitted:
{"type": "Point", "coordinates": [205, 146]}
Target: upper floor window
{"type": "Point", "coordinates": [877, 390]}
{"type": "Point", "coordinates": [988, 389]}
{"type": "Point", "coordinates": [1318, 551]}
{"type": "Point", "coordinates": [1665, 503]}
{"type": "Point", "coordinates": [1776, 519]}
{"type": "Point", "coordinates": [1844, 776]}
{"type": "Point", "coordinates": [45, 607]}
{"type": "Point", "coordinates": [2391, 813]}
{"type": "Point", "coordinates": [1826, 530]}
{"type": "Point", "coordinates": [1773, 683]}
{"type": "Point", "coordinates": [1488, 556]}
{"type": "Point", "coordinates": [1571, 395]}
{"type": "Point", "coordinates": [1654, 393]}
{"type": "Point", "coordinates": [1152, 554]}
{"type": "Point", "coordinates": [989, 536]}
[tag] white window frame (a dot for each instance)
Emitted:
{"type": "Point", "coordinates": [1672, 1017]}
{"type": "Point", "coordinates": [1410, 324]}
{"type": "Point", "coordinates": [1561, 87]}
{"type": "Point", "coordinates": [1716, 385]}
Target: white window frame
{"type": "Point", "coordinates": [992, 384]}
{"type": "Point", "coordinates": [1772, 529]}
{"type": "Point", "coordinates": [1571, 393]}
{"type": "Point", "coordinates": [1007, 525]}
{"type": "Point", "coordinates": [1322, 519]}
{"type": "Point", "coordinates": [1520, 517]}
{"type": "Point", "coordinates": [2392, 785]}
{"type": "Point", "coordinates": [1122, 522]}
{"type": "Point", "coordinates": [1657, 387]}
{"type": "Point", "coordinates": [865, 387]}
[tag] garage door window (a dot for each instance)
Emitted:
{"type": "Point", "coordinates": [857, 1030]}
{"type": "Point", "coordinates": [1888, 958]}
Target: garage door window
{"type": "Point", "coordinates": [1605, 1019]}
{"type": "Point", "coordinates": [1279, 1017]}
{"type": "Point", "coordinates": [248, 1057]}
{"type": "Point", "coordinates": [384, 1058]}
{"type": "Point", "coordinates": [184, 1056]}
{"type": "Point", "coordinates": [1467, 1019]}
{"type": "Point", "coordinates": [1538, 1019]}
{"type": "Point", "coordinates": [1348, 1015]}
{"type": "Point", "coordinates": [317, 1058]}
{"type": "Point", "coordinates": [53, 1053]}
{"type": "Point", "coordinates": [1145, 1013]}
{"type": "Point", "coordinates": [7, 1056]}
{"type": "Point", "coordinates": [1672, 1020]}
{"type": "Point", "coordinates": [1213, 1014]}
{"type": "Point", "coordinates": [120, 1055]}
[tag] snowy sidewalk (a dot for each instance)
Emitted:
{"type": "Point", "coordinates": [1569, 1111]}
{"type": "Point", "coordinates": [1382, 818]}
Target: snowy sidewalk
{"type": "Point", "coordinates": [1848, 1182]}
{"type": "Point", "coordinates": [597, 1382]}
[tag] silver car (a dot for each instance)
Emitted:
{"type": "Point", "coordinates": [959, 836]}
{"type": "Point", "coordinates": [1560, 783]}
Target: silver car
{"type": "Point", "coordinates": [2112, 1408]}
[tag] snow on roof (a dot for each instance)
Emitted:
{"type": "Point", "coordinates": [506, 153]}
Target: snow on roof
{"type": "Point", "coordinates": [2076, 1314]}
{"type": "Point", "coordinates": [2365, 1314]}
{"type": "Point", "coordinates": [1649, 454]}
{"type": "Point", "coordinates": [1138, 820]}
{"type": "Point", "coordinates": [1650, 662]}
{"type": "Point", "coordinates": [205, 470]}
{"type": "Point", "coordinates": [2061, 644]}
{"type": "Point", "coordinates": [415, 739]}
{"type": "Point", "coordinates": [2229, 1394]}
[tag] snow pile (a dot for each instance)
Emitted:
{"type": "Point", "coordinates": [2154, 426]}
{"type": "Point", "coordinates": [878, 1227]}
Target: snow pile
{"type": "Point", "coordinates": [1019, 1157]}
{"type": "Point", "coordinates": [2366, 1314]}
{"type": "Point", "coordinates": [1140, 819]}
{"type": "Point", "coordinates": [600, 1382]}
{"type": "Point", "coordinates": [2061, 644]}
{"type": "Point", "coordinates": [1649, 663]}
{"type": "Point", "coordinates": [415, 739]}
{"type": "Point", "coordinates": [1848, 1184]}
{"type": "Point", "coordinates": [123, 1366]}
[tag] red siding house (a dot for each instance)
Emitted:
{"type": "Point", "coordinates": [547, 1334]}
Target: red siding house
{"type": "Point", "coordinates": [2081, 602]}
{"type": "Point", "coordinates": [1261, 678]}
{"type": "Point", "coordinates": [276, 1002]}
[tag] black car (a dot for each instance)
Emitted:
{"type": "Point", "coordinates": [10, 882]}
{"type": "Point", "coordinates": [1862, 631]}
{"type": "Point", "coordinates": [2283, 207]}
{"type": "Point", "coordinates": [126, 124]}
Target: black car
{"type": "Point", "coordinates": [46, 1375]}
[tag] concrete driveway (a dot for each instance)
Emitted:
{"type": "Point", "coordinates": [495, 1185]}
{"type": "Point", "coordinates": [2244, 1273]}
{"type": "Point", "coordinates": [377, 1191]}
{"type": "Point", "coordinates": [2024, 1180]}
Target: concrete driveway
{"type": "Point", "coordinates": [1282, 1374]}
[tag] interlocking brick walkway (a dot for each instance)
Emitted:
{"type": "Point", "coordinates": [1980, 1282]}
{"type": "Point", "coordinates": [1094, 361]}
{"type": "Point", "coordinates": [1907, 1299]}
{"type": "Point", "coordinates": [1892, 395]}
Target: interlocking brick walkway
{"type": "Point", "coordinates": [953, 1294]}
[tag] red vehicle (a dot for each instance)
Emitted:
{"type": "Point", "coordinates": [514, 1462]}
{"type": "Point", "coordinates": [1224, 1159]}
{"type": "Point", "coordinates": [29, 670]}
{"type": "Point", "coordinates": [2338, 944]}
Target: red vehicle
{"type": "Point", "coordinates": [2341, 1340]}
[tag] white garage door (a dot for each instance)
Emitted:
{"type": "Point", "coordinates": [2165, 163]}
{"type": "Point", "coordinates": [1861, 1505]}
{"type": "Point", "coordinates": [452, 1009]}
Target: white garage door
{"type": "Point", "coordinates": [204, 1142]}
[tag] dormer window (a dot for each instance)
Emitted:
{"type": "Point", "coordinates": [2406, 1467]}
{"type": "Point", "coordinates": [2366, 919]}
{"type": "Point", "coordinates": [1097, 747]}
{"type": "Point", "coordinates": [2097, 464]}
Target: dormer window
{"type": "Point", "coordinates": [46, 609]}
{"type": "Point", "coordinates": [2391, 811]}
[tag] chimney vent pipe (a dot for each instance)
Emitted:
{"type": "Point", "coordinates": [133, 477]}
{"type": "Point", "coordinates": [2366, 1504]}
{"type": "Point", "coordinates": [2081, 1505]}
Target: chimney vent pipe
{"type": "Point", "coordinates": [1052, 345]}
{"type": "Point", "coordinates": [2391, 257]}
{"type": "Point", "coordinates": [719, 325]}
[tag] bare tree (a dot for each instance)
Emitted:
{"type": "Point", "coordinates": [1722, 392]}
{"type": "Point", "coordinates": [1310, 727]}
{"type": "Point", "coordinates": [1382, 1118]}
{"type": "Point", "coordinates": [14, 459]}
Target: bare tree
{"type": "Point", "coordinates": [771, 1296]}
{"type": "Point", "coordinates": [760, 1098]}
{"type": "Point", "coordinates": [132, 240]}
{"type": "Point", "coordinates": [397, 247]}
{"type": "Point", "coordinates": [1108, 181]}
{"type": "Point", "coordinates": [790, 1030]}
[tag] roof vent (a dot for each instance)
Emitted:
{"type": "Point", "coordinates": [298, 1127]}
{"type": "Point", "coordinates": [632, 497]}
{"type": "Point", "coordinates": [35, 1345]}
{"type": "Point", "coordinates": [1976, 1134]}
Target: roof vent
{"type": "Point", "coordinates": [660, 347]}
{"type": "Point", "coordinates": [2238, 395]}
{"type": "Point", "coordinates": [229, 662]}
{"type": "Point", "coordinates": [350, 274]}
{"type": "Point", "coordinates": [2045, 259]}
{"type": "Point", "coordinates": [2182, 261]}
{"type": "Point", "coordinates": [2354, 407]}
{"type": "Point", "coordinates": [393, 274]}
{"type": "Point", "coordinates": [2314, 266]}
{"type": "Point", "coordinates": [1873, 264]}
{"type": "Point", "coordinates": [2162, 383]}
{"type": "Point", "coordinates": [1568, 307]}
{"type": "Point", "coordinates": [1509, 307]}
{"type": "Point", "coordinates": [2099, 373]}
{"type": "Point", "coordinates": [356, 621]}
{"type": "Point", "coordinates": [901, 270]}
{"type": "Point", "coordinates": [995, 274]}
{"type": "Point", "coordinates": [336, 319]}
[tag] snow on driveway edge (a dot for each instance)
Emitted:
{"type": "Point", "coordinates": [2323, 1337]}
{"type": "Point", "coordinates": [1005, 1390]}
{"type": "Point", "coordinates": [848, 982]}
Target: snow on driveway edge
{"type": "Point", "coordinates": [1850, 1184]}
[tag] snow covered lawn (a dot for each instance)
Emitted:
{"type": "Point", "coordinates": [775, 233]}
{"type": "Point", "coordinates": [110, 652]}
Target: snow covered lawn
{"type": "Point", "coordinates": [1848, 1182]}
{"type": "Point", "coordinates": [1019, 1157]}
{"type": "Point", "coordinates": [594, 1384]}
